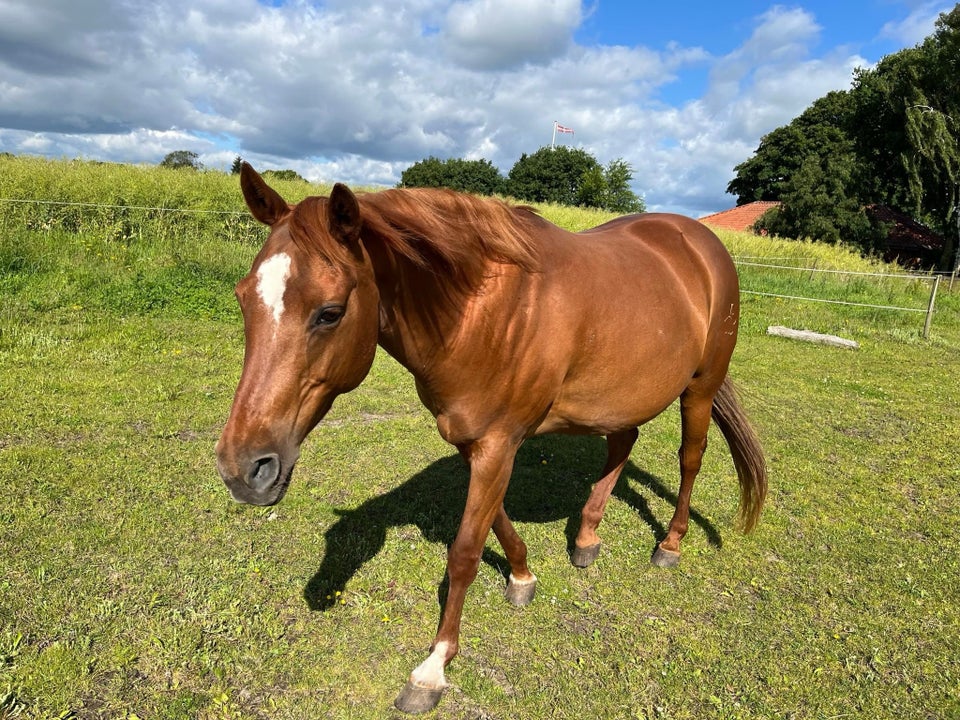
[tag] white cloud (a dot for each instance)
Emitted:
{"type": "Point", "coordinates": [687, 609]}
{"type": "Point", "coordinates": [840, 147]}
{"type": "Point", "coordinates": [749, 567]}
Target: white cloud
{"type": "Point", "coordinates": [683, 157]}
{"type": "Point", "coordinates": [916, 26]}
{"type": "Point", "coordinates": [357, 90]}
{"type": "Point", "coordinates": [136, 146]}
{"type": "Point", "coordinates": [504, 34]}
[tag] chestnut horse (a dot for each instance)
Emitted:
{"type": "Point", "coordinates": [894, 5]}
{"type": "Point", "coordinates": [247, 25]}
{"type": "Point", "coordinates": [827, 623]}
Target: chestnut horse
{"type": "Point", "coordinates": [512, 327]}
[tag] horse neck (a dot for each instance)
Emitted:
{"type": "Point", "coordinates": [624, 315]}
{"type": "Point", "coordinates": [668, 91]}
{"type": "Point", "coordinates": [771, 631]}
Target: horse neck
{"type": "Point", "coordinates": [419, 313]}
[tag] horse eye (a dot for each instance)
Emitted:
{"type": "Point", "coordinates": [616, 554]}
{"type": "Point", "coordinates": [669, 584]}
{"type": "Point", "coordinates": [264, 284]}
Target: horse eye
{"type": "Point", "coordinates": [328, 316]}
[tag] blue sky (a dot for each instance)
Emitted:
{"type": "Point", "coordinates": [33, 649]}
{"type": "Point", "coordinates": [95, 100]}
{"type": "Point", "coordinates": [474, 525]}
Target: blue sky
{"type": "Point", "coordinates": [871, 29]}
{"type": "Point", "coordinates": [358, 90]}
{"type": "Point", "coordinates": [721, 26]}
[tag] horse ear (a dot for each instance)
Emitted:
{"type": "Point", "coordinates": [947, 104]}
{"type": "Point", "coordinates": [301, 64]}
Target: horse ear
{"type": "Point", "coordinates": [264, 202]}
{"type": "Point", "coordinates": [344, 219]}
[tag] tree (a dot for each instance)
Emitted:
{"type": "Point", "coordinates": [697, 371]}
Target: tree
{"type": "Point", "coordinates": [561, 175]}
{"type": "Point", "coordinates": [620, 198]}
{"type": "Point", "coordinates": [284, 175]}
{"type": "Point", "coordinates": [817, 202]}
{"type": "Point", "coordinates": [609, 188]}
{"type": "Point", "coordinates": [237, 165]}
{"type": "Point", "coordinates": [908, 125]}
{"type": "Point", "coordinates": [593, 188]}
{"type": "Point", "coordinates": [552, 175]}
{"type": "Point", "coordinates": [182, 159]}
{"type": "Point", "coordinates": [895, 135]}
{"type": "Point", "coordinates": [821, 130]}
{"type": "Point", "coordinates": [474, 176]}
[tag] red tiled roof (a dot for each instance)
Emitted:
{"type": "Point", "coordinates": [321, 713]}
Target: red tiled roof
{"type": "Point", "coordinates": [741, 217]}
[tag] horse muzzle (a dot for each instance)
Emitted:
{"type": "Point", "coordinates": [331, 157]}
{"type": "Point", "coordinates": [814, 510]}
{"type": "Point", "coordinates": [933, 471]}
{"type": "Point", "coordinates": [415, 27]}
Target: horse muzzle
{"type": "Point", "coordinates": [256, 478]}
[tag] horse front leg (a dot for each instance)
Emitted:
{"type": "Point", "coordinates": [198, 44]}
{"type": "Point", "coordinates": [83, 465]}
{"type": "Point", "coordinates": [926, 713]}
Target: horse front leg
{"type": "Point", "coordinates": [490, 465]}
{"type": "Point", "coordinates": [586, 547]}
{"type": "Point", "coordinates": [522, 584]}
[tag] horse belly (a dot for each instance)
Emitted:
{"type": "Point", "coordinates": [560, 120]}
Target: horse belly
{"type": "Point", "coordinates": [612, 400]}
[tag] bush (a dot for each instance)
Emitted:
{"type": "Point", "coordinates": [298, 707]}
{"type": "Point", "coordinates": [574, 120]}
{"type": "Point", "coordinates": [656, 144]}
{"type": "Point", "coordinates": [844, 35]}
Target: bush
{"type": "Point", "coordinates": [474, 176]}
{"type": "Point", "coordinates": [182, 159]}
{"type": "Point", "coordinates": [552, 175]}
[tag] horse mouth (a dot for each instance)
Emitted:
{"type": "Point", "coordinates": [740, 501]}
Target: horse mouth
{"type": "Point", "coordinates": [260, 491]}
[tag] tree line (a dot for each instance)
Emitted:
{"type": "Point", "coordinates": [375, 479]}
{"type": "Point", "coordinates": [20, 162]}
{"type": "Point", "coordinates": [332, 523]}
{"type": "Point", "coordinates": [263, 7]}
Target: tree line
{"type": "Point", "coordinates": [562, 175]}
{"type": "Point", "coordinates": [893, 139]}
{"type": "Point", "coordinates": [559, 175]}
{"type": "Point", "coordinates": [189, 160]}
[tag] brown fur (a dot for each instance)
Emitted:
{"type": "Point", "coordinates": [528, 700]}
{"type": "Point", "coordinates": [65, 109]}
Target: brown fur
{"type": "Point", "coordinates": [511, 327]}
{"type": "Point", "coordinates": [451, 234]}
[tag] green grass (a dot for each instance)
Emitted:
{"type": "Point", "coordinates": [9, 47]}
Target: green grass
{"type": "Point", "coordinates": [755, 255]}
{"type": "Point", "coordinates": [131, 586]}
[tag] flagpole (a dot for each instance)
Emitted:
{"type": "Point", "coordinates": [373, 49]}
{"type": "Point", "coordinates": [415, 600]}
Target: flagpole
{"type": "Point", "coordinates": [553, 142]}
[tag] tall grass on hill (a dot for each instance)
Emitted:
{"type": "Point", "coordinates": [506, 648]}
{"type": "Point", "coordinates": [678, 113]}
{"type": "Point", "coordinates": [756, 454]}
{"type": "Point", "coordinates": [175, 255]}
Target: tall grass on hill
{"type": "Point", "coordinates": [128, 203]}
{"type": "Point", "coordinates": [150, 239]}
{"type": "Point", "coordinates": [806, 269]}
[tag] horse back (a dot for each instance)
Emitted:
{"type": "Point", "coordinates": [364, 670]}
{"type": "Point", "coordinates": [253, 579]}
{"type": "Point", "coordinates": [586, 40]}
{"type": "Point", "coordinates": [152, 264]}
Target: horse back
{"type": "Point", "coordinates": [636, 309]}
{"type": "Point", "coordinates": [604, 335]}
{"type": "Point", "coordinates": [646, 260]}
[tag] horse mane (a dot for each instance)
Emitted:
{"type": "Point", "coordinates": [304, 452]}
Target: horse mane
{"type": "Point", "coordinates": [449, 234]}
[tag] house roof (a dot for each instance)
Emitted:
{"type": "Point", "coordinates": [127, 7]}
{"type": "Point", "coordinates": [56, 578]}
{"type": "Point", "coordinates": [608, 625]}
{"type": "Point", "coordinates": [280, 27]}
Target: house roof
{"type": "Point", "coordinates": [741, 217]}
{"type": "Point", "coordinates": [908, 242]}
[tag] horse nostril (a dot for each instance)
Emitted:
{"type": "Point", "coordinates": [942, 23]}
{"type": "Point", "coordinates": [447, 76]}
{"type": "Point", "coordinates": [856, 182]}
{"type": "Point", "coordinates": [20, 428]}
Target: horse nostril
{"type": "Point", "coordinates": [263, 472]}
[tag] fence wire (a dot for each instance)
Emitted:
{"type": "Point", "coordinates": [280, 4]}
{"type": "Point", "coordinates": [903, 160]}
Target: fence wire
{"type": "Point", "coordinates": [240, 223]}
{"type": "Point", "coordinates": [933, 279]}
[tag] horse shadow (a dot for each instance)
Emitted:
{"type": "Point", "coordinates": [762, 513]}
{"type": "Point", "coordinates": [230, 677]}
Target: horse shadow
{"type": "Point", "coordinates": [552, 478]}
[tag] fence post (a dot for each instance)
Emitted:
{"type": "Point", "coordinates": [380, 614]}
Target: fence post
{"type": "Point", "coordinates": [933, 299]}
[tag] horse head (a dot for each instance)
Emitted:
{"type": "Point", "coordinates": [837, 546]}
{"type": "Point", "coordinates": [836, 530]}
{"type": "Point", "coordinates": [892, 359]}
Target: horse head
{"type": "Point", "coordinates": [311, 320]}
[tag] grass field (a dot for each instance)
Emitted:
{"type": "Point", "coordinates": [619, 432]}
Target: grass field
{"type": "Point", "coordinates": [131, 586]}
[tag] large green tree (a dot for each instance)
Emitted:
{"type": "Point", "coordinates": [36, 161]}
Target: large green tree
{"type": "Point", "coordinates": [894, 138]}
{"type": "Point", "coordinates": [561, 175]}
{"type": "Point", "coordinates": [474, 176]}
{"type": "Point", "coordinates": [817, 202]}
{"type": "Point", "coordinates": [822, 130]}
{"type": "Point", "coordinates": [553, 175]}
{"type": "Point", "coordinates": [907, 129]}
{"type": "Point", "coordinates": [609, 188]}
{"type": "Point", "coordinates": [619, 197]}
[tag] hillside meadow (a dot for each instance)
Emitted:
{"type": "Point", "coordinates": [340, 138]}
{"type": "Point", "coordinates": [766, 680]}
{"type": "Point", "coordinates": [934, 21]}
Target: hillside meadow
{"type": "Point", "coordinates": [131, 586]}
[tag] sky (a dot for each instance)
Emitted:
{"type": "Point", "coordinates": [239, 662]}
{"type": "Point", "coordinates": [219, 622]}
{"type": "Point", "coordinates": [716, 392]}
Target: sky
{"type": "Point", "coordinates": [356, 91]}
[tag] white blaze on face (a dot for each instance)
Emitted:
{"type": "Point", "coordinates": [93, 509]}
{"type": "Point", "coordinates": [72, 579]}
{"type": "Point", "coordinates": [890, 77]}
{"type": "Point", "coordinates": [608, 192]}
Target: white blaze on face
{"type": "Point", "coordinates": [272, 283]}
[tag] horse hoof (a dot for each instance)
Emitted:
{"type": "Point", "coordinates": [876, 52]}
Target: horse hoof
{"type": "Point", "coordinates": [665, 558]}
{"type": "Point", "coordinates": [520, 593]}
{"type": "Point", "coordinates": [414, 699]}
{"type": "Point", "coordinates": [584, 557]}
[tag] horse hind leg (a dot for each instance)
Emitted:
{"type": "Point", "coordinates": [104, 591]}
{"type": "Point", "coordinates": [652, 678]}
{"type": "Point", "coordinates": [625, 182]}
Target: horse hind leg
{"type": "Point", "coordinates": [695, 420]}
{"type": "Point", "coordinates": [586, 547]}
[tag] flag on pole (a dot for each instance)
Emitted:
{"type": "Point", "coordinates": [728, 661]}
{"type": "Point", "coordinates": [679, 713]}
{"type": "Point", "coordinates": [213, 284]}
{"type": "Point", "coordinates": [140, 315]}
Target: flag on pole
{"type": "Point", "coordinates": [558, 128]}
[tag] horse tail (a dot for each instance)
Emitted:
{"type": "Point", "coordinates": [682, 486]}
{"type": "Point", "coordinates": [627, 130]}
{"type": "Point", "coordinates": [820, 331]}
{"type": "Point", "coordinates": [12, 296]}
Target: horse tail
{"type": "Point", "coordinates": [746, 451]}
